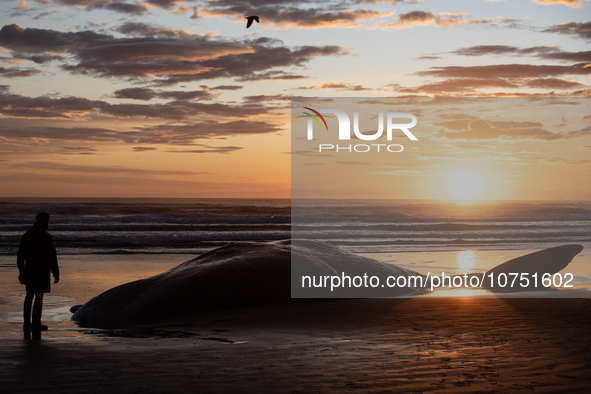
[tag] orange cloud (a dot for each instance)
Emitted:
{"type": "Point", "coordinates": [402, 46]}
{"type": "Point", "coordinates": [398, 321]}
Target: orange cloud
{"type": "Point", "coordinates": [569, 3]}
{"type": "Point", "coordinates": [507, 71]}
{"type": "Point", "coordinates": [541, 52]}
{"type": "Point", "coordinates": [16, 72]}
{"type": "Point", "coordinates": [286, 14]}
{"type": "Point", "coordinates": [336, 86]}
{"type": "Point", "coordinates": [146, 30]}
{"type": "Point", "coordinates": [422, 18]}
{"type": "Point", "coordinates": [169, 56]}
{"type": "Point", "coordinates": [182, 107]}
{"type": "Point", "coordinates": [581, 29]}
{"type": "Point", "coordinates": [181, 10]}
{"type": "Point", "coordinates": [481, 129]}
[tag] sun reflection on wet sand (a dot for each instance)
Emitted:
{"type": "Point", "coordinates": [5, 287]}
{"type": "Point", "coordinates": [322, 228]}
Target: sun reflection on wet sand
{"type": "Point", "coordinates": [466, 261]}
{"type": "Point", "coordinates": [461, 292]}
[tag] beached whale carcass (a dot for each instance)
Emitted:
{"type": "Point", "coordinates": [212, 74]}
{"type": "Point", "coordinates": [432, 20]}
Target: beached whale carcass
{"type": "Point", "coordinates": [236, 275]}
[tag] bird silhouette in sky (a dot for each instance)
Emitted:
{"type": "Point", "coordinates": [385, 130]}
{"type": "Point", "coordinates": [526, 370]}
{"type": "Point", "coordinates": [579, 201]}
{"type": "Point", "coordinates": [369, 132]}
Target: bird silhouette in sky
{"type": "Point", "coordinates": [251, 19]}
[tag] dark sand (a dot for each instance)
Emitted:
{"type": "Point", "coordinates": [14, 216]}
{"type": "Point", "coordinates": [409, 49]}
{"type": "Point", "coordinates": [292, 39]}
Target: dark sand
{"type": "Point", "coordinates": [437, 345]}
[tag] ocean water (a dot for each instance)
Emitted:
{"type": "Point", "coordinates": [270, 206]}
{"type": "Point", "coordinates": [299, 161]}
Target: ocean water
{"type": "Point", "coordinates": [408, 226]}
{"type": "Point", "coordinates": [418, 235]}
{"type": "Point", "coordinates": [129, 226]}
{"type": "Point", "coordinates": [435, 237]}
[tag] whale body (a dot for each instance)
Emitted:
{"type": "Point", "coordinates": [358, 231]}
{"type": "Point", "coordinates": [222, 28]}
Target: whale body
{"type": "Point", "coordinates": [232, 276]}
{"type": "Point", "coordinates": [530, 269]}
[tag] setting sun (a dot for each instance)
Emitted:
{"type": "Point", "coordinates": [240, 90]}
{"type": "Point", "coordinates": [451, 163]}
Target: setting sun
{"type": "Point", "coordinates": [465, 185]}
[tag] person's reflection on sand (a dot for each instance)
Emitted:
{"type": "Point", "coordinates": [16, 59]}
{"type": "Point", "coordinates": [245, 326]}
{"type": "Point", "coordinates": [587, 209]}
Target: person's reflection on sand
{"type": "Point", "coordinates": [32, 334]}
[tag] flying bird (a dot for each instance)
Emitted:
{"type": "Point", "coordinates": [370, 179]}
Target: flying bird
{"type": "Point", "coordinates": [251, 19]}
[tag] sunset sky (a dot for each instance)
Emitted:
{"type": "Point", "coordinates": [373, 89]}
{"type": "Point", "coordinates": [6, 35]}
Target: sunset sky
{"type": "Point", "coordinates": [176, 98]}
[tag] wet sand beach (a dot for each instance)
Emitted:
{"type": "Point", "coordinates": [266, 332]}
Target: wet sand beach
{"type": "Point", "coordinates": [401, 345]}
{"type": "Point", "coordinates": [390, 345]}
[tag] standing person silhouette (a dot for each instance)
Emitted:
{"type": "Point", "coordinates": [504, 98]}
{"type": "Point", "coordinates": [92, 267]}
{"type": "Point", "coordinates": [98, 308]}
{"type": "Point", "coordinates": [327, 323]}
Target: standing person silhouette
{"type": "Point", "coordinates": [36, 259]}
